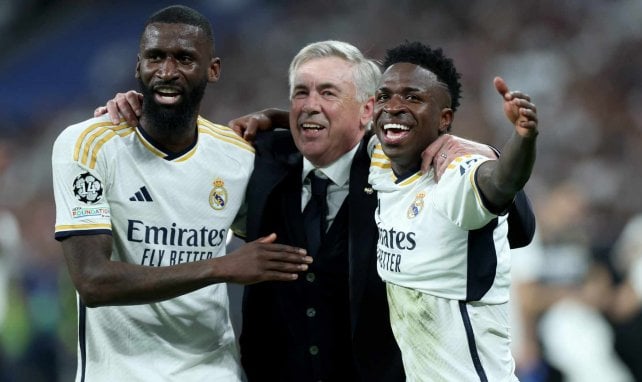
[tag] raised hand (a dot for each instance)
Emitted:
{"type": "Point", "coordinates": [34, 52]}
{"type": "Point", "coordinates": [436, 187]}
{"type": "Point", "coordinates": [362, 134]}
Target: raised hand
{"type": "Point", "coordinates": [128, 104]}
{"type": "Point", "coordinates": [518, 109]}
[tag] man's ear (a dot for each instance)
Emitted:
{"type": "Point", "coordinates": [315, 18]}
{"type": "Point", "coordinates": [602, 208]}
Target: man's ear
{"type": "Point", "coordinates": [446, 120]}
{"type": "Point", "coordinates": [137, 74]}
{"type": "Point", "coordinates": [367, 110]}
{"type": "Point", "coordinates": [214, 71]}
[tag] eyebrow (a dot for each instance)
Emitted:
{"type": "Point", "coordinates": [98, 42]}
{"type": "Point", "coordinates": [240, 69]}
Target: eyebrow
{"type": "Point", "coordinates": [407, 89]}
{"type": "Point", "coordinates": [323, 85]}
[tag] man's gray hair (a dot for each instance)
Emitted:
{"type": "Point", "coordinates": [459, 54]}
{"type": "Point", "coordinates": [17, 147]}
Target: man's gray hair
{"type": "Point", "coordinates": [366, 72]}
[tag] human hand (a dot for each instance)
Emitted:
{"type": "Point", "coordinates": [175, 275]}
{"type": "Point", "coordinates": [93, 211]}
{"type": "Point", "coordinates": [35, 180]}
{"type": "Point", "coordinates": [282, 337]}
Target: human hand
{"type": "Point", "coordinates": [248, 125]}
{"type": "Point", "coordinates": [518, 109]}
{"type": "Point", "coordinates": [264, 260]}
{"type": "Point", "coordinates": [447, 147]}
{"type": "Point", "coordinates": [129, 105]}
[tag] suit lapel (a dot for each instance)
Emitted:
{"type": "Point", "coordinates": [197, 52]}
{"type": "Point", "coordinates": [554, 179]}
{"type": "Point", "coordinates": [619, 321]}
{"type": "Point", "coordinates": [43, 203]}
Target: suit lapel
{"type": "Point", "coordinates": [362, 231]}
{"type": "Point", "coordinates": [271, 171]}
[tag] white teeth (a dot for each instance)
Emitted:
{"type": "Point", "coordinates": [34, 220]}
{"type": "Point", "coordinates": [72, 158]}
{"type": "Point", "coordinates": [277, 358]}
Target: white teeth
{"type": "Point", "coordinates": [164, 90]}
{"type": "Point", "coordinates": [395, 126]}
{"type": "Point", "coordinates": [311, 126]}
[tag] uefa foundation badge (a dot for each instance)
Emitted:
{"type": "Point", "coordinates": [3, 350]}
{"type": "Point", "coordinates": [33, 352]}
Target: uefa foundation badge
{"type": "Point", "coordinates": [218, 195]}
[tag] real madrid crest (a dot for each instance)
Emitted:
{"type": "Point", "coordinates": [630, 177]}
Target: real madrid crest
{"type": "Point", "coordinates": [218, 195]}
{"type": "Point", "coordinates": [416, 206]}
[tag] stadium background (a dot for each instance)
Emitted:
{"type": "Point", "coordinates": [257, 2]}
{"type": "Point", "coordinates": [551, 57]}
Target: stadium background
{"type": "Point", "coordinates": [579, 60]}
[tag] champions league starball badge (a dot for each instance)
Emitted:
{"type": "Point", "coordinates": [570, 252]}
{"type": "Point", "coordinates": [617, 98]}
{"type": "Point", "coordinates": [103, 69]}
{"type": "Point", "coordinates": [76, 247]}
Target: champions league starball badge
{"type": "Point", "coordinates": [87, 188]}
{"type": "Point", "coordinates": [218, 195]}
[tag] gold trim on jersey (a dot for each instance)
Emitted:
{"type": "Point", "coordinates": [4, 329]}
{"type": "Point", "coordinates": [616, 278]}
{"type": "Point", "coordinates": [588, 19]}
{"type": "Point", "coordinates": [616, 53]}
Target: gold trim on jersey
{"type": "Point", "coordinates": [408, 180]}
{"type": "Point", "coordinates": [94, 137]}
{"type": "Point", "coordinates": [223, 133]}
{"type": "Point", "coordinates": [476, 190]}
{"type": "Point", "coordinates": [149, 145]}
{"type": "Point", "coordinates": [379, 158]}
{"type": "Point", "coordinates": [84, 227]}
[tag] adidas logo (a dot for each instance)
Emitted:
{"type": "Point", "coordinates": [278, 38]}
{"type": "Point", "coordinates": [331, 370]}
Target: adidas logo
{"type": "Point", "coordinates": [142, 196]}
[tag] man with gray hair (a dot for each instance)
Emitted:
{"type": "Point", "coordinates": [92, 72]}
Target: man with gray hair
{"type": "Point", "coordinates": [332, 324]}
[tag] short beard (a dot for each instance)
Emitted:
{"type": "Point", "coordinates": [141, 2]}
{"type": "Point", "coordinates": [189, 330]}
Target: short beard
{"type": "Point", "coordinates": [171, 120]}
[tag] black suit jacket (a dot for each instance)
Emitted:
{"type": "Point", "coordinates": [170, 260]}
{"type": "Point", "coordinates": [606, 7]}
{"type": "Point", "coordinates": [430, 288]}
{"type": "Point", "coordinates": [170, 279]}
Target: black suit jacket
{"type": "Point", "coordinates": [274, 205]}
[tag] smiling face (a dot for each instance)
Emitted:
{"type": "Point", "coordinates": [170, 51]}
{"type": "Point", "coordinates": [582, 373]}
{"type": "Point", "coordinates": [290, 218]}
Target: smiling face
{"type": "Point", "coordinates": [412, 108]}
{"type": "Point", "coordinates": [175, 64]}
{"type": "Point", "coordinates": [326, 119]}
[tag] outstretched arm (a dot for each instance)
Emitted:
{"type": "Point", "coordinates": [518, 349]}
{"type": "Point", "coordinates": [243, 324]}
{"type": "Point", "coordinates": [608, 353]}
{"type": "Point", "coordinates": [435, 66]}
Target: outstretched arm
{"type": "Point", "coordinates": [501, 179]}
{"type": "Point", "coordinates": [100, 281]}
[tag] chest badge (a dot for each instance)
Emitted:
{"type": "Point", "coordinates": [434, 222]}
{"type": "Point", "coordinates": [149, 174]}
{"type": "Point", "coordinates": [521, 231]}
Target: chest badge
{"type": "Point", "coordinates": [218, 195]}
{"type": "Point", "coordinates": [416, 206]}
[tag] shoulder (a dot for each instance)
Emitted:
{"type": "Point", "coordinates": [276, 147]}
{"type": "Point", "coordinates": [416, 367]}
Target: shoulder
{"type": "Point", "coordinates": [275, 144]}
{"type": "Point", "coordinates": [84, 140]}
{"type": "Point", "coordinates": [465, 164]}
{"type": "Point", "coordinates": [275, 139]}
{"type": "Point", "coordinates": [224, 135]}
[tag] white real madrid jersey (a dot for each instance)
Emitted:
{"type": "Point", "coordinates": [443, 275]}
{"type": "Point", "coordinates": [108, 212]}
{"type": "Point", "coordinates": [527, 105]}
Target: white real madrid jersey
{"type": "Point", "coordinates": [446, 262]}
{"type": "Point", "coordinates": [161, 209]}
{"type": "Point", "coordinates": [429, 233]}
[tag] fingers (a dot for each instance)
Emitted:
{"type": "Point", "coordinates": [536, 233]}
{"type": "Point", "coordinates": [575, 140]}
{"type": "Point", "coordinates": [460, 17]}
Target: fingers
{"type": "Point", "coordinates": [282, 252]}
{"type": "Point", "coordinates": [129, 106]}
{"type": "Point", "coordinates": [100, 110]}
{"type": "Point", "coordinates": [250, 129]}
{"type": "Point", "coordinates": [112, 110]}
{"type": "Point", "coordinates": [430, 154]}
{"type": "Point", "coordinates": [245, 127]}
{"type": "Point", "coordinates": [135, 99]}
{"type": "Point", "coordinates": [526, 116]}
{"type": "Point", "coordinates": [237, 127]}
{"type": "Point", "coordinates": [441, 164]}
{"type": "Point", "coordinates": [500, 85]}
{"type": "Point", "coordinates": [267, 239]}
{"type": "Point", "coordinates": [440, 153]}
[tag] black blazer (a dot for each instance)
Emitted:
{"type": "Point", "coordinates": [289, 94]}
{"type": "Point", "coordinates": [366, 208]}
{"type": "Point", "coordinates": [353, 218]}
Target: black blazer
{"type": "Point", "coordinates": [274, 205]}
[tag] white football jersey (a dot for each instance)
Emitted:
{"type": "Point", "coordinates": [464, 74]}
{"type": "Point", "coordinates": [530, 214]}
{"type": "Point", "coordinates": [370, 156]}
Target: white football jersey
{"type": "Point", "coordinates": [446, 260]}
{"type": "Point", "coordinates": [161, 209]}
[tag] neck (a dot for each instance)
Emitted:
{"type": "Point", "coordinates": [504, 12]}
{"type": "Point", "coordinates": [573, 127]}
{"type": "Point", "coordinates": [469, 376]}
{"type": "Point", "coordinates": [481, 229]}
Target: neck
{"type": "Point", "coordinates": [402, 170]}
{"type": "Point", "coordinates": [172, 134]}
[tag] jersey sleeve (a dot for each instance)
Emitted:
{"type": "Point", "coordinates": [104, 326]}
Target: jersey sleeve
{"type": "Point", "coordinates": [79, 191]}
{"type": "Point", "coordinates": [457, 195]}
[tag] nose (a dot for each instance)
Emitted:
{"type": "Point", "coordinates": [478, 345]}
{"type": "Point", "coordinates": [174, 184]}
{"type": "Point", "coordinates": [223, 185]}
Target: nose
{"type": "Point", "coordinates": [394, 105]}
{"type": "Point", "coordinates": [312, 104]}
{"type": "Point", "coordinates": [168, 69]}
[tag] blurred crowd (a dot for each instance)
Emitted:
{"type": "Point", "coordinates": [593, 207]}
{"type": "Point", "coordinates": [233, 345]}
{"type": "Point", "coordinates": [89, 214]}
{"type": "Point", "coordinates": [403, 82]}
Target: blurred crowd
{"type": "Point", "coordinates": [577, 288]}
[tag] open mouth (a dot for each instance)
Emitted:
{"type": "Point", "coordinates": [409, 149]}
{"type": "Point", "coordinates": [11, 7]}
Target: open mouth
{"type": "Point", "coordinates": [394, 132]}
{"type": "Point", "coordinates": [167, 95]}
{"type": "Point", "coordinates": [312, 126]}
{"type": "Point", "coordinates": [311, 130]}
